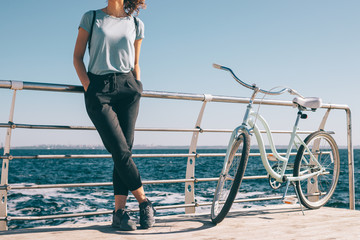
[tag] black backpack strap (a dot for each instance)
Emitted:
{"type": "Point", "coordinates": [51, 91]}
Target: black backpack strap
{"type": "Point", "coordinates": [136, 26]}
{"type": "Point", "coordinates": [91, 29]}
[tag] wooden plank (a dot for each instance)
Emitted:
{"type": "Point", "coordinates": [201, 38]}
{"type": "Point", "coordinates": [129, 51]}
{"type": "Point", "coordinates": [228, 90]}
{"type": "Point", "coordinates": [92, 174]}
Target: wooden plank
{"type": "Point", "coordinates": [270, 222]}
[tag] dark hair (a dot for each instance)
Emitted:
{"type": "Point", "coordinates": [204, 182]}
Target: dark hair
{"type": "Point", "coordinates": [132, 6]}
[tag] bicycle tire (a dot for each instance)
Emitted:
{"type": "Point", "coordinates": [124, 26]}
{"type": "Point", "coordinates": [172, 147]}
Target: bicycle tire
{"type": "Point", "coordinates": [236, 165]}
{"type": "Point", "coordinates": [316, 191]}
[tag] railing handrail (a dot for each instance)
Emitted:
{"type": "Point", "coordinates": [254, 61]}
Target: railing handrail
{"type": "Point", "coordinates": [7, 84]}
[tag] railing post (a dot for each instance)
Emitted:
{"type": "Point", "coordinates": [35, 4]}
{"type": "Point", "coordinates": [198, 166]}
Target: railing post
{"type": "Point", "coordinates": [15, 85]}
{"type": "Point", "coordinates": [190, 168]}
{"type": "Point", "coordinates": [323, 121]}
{"type": "Point", "coordinates": [3, 194]}
{"type": "Point", "coordinates": [350, 161]}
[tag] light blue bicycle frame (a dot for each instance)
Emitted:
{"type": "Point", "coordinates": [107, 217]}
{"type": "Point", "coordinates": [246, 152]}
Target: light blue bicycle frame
{"type": "Point", "coordinates": [249, 126]}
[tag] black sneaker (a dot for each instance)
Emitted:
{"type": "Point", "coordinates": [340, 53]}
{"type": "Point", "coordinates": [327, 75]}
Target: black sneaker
{"type": "Point", "coordinates": [147, 212]}
{"type": "Point", "coordinates": [121, 220]}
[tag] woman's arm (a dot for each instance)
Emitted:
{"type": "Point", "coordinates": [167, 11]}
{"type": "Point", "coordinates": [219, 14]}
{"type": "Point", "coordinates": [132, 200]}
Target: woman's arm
{"type": "Point", "coordinates": [79, 51]}
{"type": "Point", "coordinates": [136, 70]}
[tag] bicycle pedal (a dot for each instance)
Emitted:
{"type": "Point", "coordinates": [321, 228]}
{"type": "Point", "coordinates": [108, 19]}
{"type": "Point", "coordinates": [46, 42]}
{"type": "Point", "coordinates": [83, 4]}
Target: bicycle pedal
{"type": "Point", "coordinates": [271, 157]}
{"type": "Point", "coordinates": [290, 200]}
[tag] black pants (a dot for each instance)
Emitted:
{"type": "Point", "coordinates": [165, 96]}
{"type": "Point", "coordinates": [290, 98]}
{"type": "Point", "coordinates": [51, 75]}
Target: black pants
{"type": "Point", "coordinates": [112, 102]}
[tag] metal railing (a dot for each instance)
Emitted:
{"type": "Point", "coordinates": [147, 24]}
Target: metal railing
{"type": "Point", "coordinates": [190, 179]}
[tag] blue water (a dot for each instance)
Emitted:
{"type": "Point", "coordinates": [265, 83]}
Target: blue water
{"type": "Point", "coordinates": [72, 200]}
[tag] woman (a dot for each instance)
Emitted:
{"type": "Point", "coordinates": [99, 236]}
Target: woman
{"type": "Point", "coordinates": [112, 94]}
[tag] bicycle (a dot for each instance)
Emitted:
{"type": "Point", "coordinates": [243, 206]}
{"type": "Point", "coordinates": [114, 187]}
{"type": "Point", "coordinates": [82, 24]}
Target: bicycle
{"type": "Point", "coordinates": [315, 169]}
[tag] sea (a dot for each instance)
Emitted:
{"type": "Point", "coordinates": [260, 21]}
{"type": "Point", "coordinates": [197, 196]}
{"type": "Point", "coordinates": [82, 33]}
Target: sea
{"type": "Point", "coordinates": [39, 202]}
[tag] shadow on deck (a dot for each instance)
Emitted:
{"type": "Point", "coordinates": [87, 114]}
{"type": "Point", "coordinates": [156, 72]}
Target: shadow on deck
{"type": "Point", "coordinates": [277, 221]}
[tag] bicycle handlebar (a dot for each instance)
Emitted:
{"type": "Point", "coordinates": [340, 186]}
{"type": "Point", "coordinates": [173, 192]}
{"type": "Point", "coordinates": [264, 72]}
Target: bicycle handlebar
{"type": "Point", "coordinates": [254, 87]}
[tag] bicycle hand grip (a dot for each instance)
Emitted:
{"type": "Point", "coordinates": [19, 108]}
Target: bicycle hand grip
{"type": "Point", "coordinates": [217, 66]}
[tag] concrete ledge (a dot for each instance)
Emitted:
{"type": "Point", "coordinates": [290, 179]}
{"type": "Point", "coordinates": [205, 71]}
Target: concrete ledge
{"type": "Point", "coordinates": [274, 222]}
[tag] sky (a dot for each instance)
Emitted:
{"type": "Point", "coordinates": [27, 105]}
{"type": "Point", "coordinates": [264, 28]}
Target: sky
{"type": "Point", "coordinates": [310, 46]}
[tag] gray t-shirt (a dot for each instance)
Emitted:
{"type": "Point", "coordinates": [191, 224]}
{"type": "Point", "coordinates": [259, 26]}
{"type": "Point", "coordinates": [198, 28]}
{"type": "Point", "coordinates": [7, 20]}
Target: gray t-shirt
{"type": "Point", "coordinates": [112, 43]}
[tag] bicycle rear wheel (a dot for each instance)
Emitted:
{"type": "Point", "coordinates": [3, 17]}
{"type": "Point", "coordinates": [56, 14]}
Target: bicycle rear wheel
{"type": "Point", "coordinates": [230, 178]}
{"type": "Point", "coordinates": [314, 192]}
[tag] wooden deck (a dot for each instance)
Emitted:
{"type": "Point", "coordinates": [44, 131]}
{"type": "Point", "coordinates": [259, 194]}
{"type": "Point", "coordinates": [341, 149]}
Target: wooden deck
{"type": "Point", "coordinates": [286, 221]}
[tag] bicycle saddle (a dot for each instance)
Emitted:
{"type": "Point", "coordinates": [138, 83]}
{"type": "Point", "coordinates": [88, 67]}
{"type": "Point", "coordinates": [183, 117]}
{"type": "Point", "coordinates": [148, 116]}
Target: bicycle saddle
{"type": "Point", "coordinates": [309, 102]}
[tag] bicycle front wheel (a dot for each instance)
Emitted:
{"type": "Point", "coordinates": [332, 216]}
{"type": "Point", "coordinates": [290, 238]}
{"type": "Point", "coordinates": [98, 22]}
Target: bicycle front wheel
{"type": "Point", "coordinates": [315, 191]}
{"type": "Point", "coordinates": [230, 178]}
